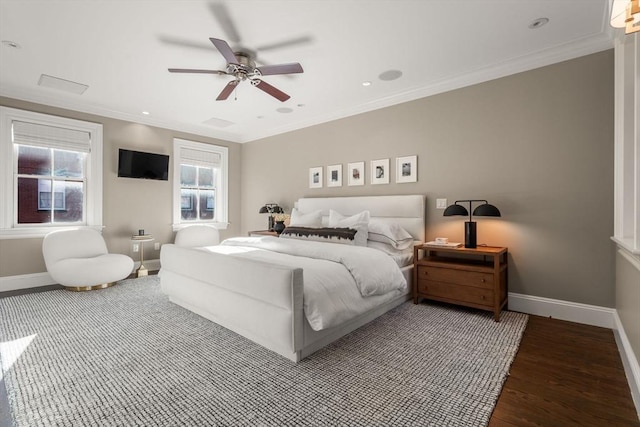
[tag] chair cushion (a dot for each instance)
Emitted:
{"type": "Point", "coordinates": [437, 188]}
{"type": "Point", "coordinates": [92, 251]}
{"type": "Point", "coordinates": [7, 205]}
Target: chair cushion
{"type": "Point", "coordinates": [91, 271]}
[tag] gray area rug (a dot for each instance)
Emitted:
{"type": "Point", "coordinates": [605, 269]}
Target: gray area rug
{"type": "Point", "coordinates": [126, 356]}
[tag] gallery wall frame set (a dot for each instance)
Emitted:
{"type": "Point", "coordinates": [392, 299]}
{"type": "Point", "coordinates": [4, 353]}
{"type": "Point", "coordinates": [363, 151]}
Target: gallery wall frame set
{"type": "Point", "coordinates": [406, 171]}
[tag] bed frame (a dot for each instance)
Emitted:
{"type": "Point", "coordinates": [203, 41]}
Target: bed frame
{"type": "Point", "coordinates": [262, 301]}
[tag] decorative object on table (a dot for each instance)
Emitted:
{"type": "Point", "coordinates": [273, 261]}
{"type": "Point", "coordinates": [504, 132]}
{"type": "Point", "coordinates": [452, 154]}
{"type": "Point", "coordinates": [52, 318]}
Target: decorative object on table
{"type": "Point", "coordinates": [355, 173]}
{"type": "Point", "coordinates": [271, 208]}
{"type": "Point", "coordinates": [380, 171]}
{"type": "Point", "coordinates": [485, 209]}
{"type": "Point", "coordinates": [281, 222]}
{"type": "Point", "coordinates": [406, 169]}
{"type": "Point", "coordinates": [334, 176]}
{"type": "Point", "coordinates": [315, 177]}
{"type": "Point", "coordinates": [78, 260]}
{"type": "Point", "coordinates": [626, 14]}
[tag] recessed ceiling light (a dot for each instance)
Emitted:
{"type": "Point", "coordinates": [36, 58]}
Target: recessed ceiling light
{"type": "Point", "coordinates": [367, 83]}
{"type": "Point", "coordinates": [10, 44]}
{"type": "Point", "coordinates": [538, 23]}
{"type": "Point", "coordinates": [390, 75]}
{"type": "Point", "coordinates": [146, 113]}
{"type": "Point", "coordinates": [284, 110]}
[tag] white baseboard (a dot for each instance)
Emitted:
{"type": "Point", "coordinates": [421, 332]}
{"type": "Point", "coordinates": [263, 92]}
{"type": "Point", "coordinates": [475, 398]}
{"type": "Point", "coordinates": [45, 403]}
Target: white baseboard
{"type": "Point", "coordinates": [35, 280]}
{"type": "Point", "coordinates": [564, 310]}
{"type": "Point", "coordinates": [24, 281]}
{"type": "Point", "coordinates": [629, 360]}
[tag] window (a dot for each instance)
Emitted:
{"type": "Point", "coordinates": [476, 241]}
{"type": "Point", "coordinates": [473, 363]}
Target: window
{"type": "Point", "coordinates": [627, 145]}
{"type": "Point", "coordinates": [51, 173]}
{"type": "Point", "coordinates": [200, 184]}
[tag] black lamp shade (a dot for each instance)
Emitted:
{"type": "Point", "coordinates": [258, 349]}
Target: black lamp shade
{"type": "Point", "coordinates": [263, 210]}
{"type": "Point", "coordinates": [454, 210]}
{"type": "Point", "coordinates": [486, 210]}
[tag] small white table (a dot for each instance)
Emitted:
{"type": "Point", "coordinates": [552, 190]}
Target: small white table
{"type": "Point", "coordinates": [142, 270]}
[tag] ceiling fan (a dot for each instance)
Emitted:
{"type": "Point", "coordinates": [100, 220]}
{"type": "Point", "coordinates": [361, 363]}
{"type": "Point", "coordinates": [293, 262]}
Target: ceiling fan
{"type": "Point", "coordinates": [242, 66]}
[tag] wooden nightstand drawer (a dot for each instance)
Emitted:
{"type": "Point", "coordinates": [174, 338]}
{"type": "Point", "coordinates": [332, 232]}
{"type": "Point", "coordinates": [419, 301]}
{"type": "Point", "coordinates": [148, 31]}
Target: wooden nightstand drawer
{"type": "Point", "coordinates": [451, 292]}
{"type": "Point", "coordinates": [458, 277]}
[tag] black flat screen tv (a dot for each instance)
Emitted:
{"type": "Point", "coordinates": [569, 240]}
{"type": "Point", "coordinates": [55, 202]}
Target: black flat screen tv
{"type": "Point", "coordinates": [136, 164]}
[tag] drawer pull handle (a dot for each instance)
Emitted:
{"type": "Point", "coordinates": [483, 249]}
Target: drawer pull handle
{"type": "Point", "coordinates": [482, 280]}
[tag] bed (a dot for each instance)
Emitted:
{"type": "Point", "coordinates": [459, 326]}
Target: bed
{"type": "Point", "coordinates": [261, 295]}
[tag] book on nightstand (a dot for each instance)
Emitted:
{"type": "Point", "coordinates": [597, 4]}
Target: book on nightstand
{"type": "Point", "coordinates": [435, 244]}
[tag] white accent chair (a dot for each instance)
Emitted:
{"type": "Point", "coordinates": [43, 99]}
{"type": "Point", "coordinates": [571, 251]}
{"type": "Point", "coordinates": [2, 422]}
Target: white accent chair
{"type": "Point", "coordinates": [79, 260]}
{"type": "Point", "coordinates": [195, 236]}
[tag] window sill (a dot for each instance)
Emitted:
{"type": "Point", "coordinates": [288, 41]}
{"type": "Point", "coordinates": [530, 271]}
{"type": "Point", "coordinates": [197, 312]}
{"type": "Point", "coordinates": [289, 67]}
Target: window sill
{"type": "Point", "coordinates": [38, 232]}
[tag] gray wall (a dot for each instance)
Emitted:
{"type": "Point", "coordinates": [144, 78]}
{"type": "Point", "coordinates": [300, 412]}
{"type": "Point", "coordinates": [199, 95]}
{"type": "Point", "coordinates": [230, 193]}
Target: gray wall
{"type": "Point", "coordinates": [128, 204]}
{"type": "Point", "coordinates": [539, 145]}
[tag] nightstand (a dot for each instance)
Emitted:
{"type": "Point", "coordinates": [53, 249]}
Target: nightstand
{"type": "Point", "coordinates": [257, 233]}
{"type": "Point", "coordinates": [475, 278]}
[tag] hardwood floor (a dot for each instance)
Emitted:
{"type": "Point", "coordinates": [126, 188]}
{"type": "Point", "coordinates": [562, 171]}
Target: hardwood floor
{"type": "Point", "coordinates": [565, 374]}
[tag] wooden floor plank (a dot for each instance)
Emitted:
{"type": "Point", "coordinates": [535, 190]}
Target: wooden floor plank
{"type": "Point", "coordinates": [565, 374]}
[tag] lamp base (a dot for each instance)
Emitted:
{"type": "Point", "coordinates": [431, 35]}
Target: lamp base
{"type": "Point", "coordinates": [470, 234]}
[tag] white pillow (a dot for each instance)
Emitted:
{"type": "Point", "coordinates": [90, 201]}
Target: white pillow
{"type": "Point", "coordinates": [311, 219]}
{"type": "Point", "coordinates": [360, 222]}
{"type": "Point", "coordinates": [390, 233]}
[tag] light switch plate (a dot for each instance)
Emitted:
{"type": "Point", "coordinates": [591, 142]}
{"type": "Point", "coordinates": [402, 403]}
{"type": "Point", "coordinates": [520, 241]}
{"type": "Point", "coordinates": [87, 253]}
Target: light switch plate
{"type": "Point", "coordinates": [441, 203]}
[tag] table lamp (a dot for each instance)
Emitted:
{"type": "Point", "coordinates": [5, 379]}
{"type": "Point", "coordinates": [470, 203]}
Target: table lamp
{"type": "Point", "coordinates": [485, 209]}
{"type": "Point", "coordinates": [271, 208]}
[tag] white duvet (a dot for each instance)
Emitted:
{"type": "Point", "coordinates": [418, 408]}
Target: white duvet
{"type": "Point", "coordinates": [340, 281]}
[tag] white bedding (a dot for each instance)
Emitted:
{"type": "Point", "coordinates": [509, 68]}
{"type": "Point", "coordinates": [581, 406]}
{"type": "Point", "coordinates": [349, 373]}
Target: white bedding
{"type": "Point", "coordinates": [340, 282]}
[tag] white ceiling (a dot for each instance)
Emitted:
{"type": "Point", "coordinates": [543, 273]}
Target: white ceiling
{"type": "Point", "coordinates": [122, 49]}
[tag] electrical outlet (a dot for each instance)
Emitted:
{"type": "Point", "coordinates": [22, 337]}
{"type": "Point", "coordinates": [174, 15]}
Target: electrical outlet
{"type": "Point", "coordinates": [441, 203]}
{"type": "Point", "coordinates": [156, 246]}
{"type": "Point", "coordinates": [136, 247]}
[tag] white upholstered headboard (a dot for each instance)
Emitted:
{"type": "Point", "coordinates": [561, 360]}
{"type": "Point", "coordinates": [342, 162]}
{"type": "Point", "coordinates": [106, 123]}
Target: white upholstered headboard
{"type": "Point", "coordinates": [408, 211]}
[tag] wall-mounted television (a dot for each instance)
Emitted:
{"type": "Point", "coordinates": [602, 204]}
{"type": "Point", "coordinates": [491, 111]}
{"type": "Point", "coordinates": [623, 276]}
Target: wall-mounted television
{"type": "Point", "coordinates": [136, 164]}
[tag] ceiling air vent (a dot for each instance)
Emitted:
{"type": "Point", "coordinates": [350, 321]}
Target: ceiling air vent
{"type": "Point", "coordinates": [62, 84]}
{"type": "Point", "coordinates": [219, 123]}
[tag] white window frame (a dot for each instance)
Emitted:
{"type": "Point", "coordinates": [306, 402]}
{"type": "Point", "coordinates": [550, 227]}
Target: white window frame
{"type": "Point", "coordinates": [221, 180]}
{"type": "Point", "coordinates": [9, 229]}
{"type": "Point", "coordinates": [627, 144]}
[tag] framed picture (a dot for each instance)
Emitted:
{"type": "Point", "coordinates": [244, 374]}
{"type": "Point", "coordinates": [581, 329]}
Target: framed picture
{"type": "Point", "coordinates": [334, 176]}
{"type": "Point", "coordinates": [407, 169]}
{"type": "Point", "coordinates": [380, 171]}
{"type": "Point", "coordinates": [315, 177]}
{"type": "Point", "coordinates": [355, 173]}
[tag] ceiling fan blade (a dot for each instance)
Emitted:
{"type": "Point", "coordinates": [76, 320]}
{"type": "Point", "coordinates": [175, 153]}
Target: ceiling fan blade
{"type": "Point", "coordinates": [180, 42]}
{"type": "Point", "coordinates": [225, 50]}
{"type": "Point", "coordinates": [276, 93]}
{"type": "Point", "coordinates": [228, 89]}
{"type": "Point", "coordinates": [188, 70]}
{"type": "Point", "coordinates": [285, 43]}
{"type": "Point", "coordinates": [221, 13]}
{"type": "Point", "coordinates": [268, 70]}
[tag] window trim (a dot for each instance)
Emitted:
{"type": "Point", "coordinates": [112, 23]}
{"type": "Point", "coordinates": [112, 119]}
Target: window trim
{"type": "Point", "coordinates": [222, 191]}
{"type": "Point", "coordinates": [93, 174]}
{"type": "Point", "coordinates": [627, 148]}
